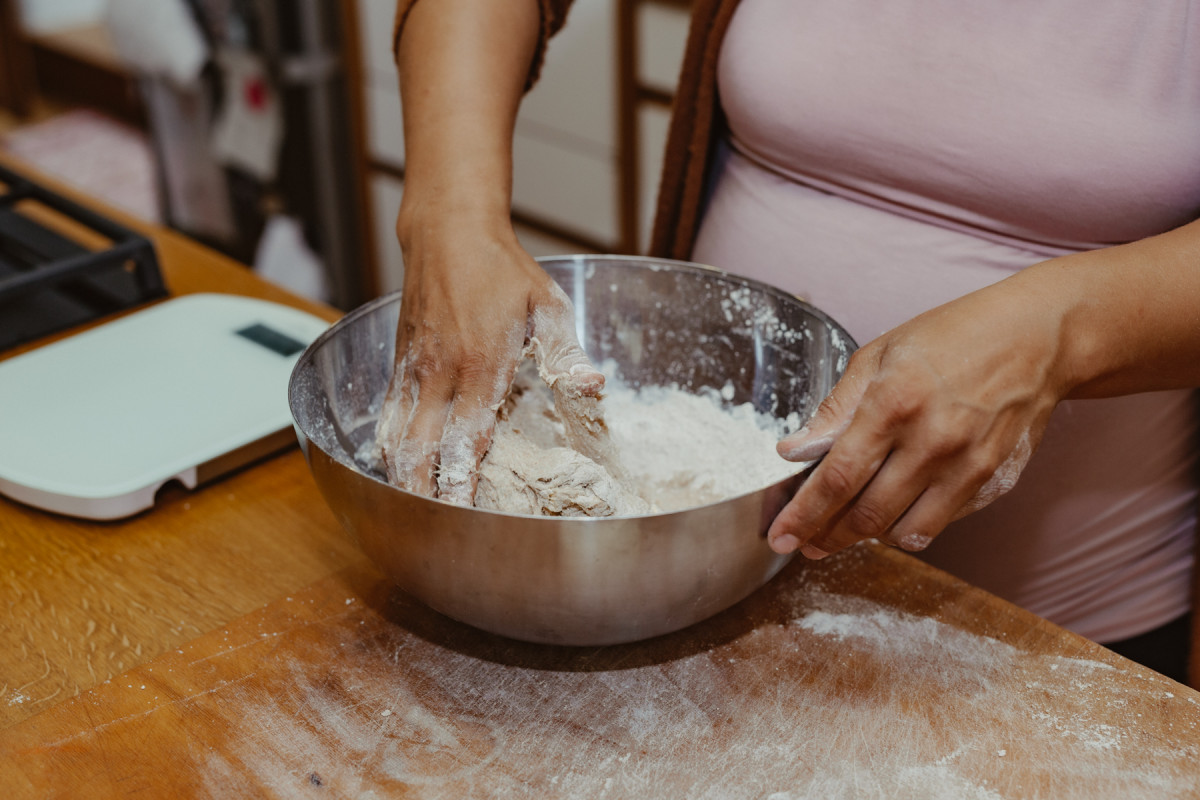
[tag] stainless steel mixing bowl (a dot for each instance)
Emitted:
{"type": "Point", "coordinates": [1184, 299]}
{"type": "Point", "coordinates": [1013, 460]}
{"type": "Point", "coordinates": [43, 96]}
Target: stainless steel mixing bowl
{"type": "Point", "coordinates": [571, 580]}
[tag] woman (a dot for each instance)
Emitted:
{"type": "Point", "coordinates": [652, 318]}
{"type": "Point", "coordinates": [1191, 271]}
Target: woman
{"type": "Point", "coordinates": [999, 198]}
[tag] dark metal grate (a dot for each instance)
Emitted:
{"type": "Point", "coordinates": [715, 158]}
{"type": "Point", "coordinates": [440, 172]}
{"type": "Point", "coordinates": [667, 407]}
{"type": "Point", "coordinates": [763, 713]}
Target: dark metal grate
{"type": "Point", "coordinates": [49, 282]}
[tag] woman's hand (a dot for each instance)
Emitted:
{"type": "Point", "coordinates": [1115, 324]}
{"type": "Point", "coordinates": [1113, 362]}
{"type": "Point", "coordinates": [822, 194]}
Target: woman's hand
{"type": "Point", "coordinates": [937, 418]}
{"type": "Point", "coordinates": [473, 298]}
{"type": "Point", "coordinates": [471, 305]}
{"type": "Point", "coordinates": [933, 420]}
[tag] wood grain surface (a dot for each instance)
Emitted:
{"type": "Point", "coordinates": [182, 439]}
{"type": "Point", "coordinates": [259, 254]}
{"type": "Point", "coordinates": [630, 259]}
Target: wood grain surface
{"type": "Point", "coordinates": [84, 601]}
{"type": "Point", "coordinates": [865, 675]}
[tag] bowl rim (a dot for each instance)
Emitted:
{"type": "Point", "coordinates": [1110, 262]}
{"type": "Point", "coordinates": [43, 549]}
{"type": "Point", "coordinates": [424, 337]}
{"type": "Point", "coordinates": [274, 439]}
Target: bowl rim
{"type": "Point", "coordinates": [650, 262]}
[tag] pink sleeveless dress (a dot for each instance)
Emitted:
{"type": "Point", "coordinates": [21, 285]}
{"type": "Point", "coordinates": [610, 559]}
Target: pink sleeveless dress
{"type": "Point", "coordinates": [887, 156]}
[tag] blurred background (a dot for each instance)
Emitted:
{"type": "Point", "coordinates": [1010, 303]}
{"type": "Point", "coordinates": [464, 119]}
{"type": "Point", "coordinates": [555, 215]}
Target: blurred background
{"type": "Point", "coordinates": [271, 129]}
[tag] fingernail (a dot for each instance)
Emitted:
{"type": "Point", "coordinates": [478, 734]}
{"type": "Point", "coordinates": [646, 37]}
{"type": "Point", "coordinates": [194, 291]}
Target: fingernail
{"type": "Point", "coordinates": [797, 448]}
{"type": "Point", "coordinates": [914, 542]}
{"type": "Point", "coordinates": [784, 543]}
{"type": "Point", "coordinates": [589, 383]}
{"type": "Point", "coordinates": [813, 552]}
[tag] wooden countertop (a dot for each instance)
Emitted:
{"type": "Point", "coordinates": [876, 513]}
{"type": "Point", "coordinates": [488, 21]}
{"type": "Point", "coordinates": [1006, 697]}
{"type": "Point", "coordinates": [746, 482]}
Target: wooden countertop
{"type": "Point", "coordinates": [232, 642]}
{"type": "Point", "coordinates": [85, 601]}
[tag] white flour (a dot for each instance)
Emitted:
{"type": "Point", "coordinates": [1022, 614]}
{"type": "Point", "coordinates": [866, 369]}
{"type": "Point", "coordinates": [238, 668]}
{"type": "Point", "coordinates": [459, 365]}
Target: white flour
{"type": "Point", "coordinates": [676, 450]}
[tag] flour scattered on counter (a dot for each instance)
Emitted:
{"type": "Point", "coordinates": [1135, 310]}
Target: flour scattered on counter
{"type": "Point", "coordinates": [904, 636]}
{"type": "Point", "coordinates": [1056, 709]}
{"type": "Point", "coordinates": [1097, 737]}
{"type": "Point", "coordinates": [826, 697]}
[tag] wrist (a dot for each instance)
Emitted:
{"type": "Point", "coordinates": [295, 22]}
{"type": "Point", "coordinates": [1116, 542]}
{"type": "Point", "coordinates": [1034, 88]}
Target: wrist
{"type": "Point", "coordinates": [1071, 294]}
{"type": "Point", "coordinates": [451, 213]}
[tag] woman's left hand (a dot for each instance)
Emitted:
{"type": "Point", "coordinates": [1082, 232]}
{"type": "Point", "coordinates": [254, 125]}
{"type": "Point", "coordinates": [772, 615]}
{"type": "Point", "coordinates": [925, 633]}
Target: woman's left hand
{"type": "Point", "coordinates": [931, 421]}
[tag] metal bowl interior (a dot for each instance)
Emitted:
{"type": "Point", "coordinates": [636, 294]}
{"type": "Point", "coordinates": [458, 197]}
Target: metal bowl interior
{"type": "Point", "coordinates": [571, 580]}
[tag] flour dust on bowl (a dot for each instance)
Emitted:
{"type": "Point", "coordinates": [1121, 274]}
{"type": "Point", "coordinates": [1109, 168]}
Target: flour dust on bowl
{"type": "Point", "coordinates": [579, 580]}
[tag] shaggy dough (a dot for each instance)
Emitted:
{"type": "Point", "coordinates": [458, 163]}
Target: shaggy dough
{"type": "Point", "coordinates": [586, 431]}
{"type": "Point", "coordinates": [521, 478]}
{"type": "Point", "coordinates": [535, 465]}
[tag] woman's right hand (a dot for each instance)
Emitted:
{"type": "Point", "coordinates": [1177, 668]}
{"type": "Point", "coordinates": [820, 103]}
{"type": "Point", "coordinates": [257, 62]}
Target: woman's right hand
{"type": "Point", "coordinates": [473, 298]}
{"type": "Point", "coordinates": [472, 303]}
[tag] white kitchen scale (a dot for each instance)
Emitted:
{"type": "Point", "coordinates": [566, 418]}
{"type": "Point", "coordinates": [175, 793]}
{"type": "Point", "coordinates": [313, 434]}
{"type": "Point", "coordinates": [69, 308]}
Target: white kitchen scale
{"type": "Point", "coordinates": [93, 425]}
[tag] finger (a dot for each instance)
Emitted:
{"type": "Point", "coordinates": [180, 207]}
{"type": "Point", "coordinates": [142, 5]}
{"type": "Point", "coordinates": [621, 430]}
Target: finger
{"type": "Point", "coordinates": [393, 419]}
{"type": "Point", "coordinates": [936, 508]}
{"type": "Point", "coordinates": [949, 500]}
{"type": "Point", "coordinates": [1002, 480]}
{"type": "Point", "coordinates": [831, 418]}
{"type": "Point", "coordinates": [465, 441]}
{"type": "Point", "coordinates": [414, 450]}
{"type": "Point", "coordinates": [463, 444]}
{"type": "Point", "coordinates": [468, 435]}
{"type": "Point", "coordinates": [831, 488]}
{"type": "Point", "coordinates": [797, 522]}
{"type": "Point", "coordinates": [808, 444]}
{"type": "Point", "coordinates": [416, 460]}
{"type": "Point", "coordinates": [890, 493]}
{"type": "Point", "coordinates": [556, 349]}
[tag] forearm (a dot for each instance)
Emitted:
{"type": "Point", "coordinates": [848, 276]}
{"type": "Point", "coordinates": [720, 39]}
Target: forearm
{"type": "Point", "coordinates": [1130, 314]}
{"type": "Point", "coordinates": [463, 66]}
{"type": "Point", "coordinates": [472, 298]}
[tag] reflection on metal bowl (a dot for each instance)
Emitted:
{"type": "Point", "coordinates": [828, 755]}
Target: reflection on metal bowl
{"type": "Point", "coordinates": [575, 580]}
